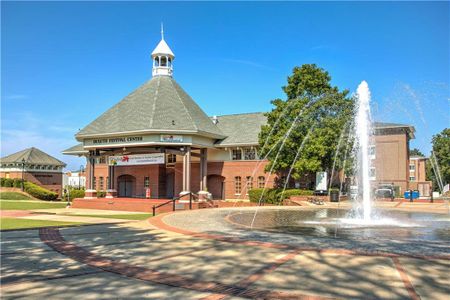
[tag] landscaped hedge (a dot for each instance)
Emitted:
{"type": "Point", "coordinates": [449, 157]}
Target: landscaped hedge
{"type": "Point", "coordinates": [33, 189]}
{"type": "Point", "coordinates": [275, 196]}
{"type": "Point", "coordinates": [39, 192]}
{"type": "Point", "coordinates": [17, 183]}
{"type": "Point", "coordinates": [75, 193]}
{"type": "Point", "coordinates": [101, 194]}
{"type": "Point", "coordinates": [7, 182]}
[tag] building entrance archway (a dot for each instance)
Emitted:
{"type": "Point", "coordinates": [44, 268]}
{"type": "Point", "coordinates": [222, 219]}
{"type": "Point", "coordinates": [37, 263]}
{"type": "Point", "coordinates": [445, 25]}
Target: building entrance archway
{"type": "Point", "coordinates": [126, 185]}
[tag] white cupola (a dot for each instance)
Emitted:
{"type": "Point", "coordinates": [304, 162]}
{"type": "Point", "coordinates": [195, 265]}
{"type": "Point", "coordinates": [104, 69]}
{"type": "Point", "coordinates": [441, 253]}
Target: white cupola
{"type": "Point", "coordinates": [162, 58]}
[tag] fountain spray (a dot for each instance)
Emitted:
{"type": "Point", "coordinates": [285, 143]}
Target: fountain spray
{"type": "Point", "coordinates": [363, 133]}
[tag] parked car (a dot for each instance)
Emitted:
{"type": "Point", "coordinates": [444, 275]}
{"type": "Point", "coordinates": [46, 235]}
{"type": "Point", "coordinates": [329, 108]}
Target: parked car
{"type": "Point", "coordinates": [385, 191]}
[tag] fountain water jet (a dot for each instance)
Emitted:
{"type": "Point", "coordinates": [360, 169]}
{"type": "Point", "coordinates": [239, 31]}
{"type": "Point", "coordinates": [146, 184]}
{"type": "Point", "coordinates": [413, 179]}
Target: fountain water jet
{"type": "Point", "coordinates": [363, 134]}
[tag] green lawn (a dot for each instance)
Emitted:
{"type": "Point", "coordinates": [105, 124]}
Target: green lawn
{"type": "Point", "coordinates": [124, 216]}
{"type": "Point", "coordinates": [28, 205]}
{"type": "Point", "coordinates": [14, 196]}
{"type": "Point", "coordinates": [13, 223]}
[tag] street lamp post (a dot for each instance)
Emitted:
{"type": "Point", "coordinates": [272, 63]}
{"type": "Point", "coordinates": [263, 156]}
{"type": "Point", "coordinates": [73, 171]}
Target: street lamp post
{"type": "Point", "coordinates": [23, 170]}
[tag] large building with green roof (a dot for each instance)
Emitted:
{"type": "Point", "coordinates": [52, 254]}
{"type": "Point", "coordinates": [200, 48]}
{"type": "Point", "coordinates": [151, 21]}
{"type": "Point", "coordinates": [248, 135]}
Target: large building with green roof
{"type": "Point", "coordinates": [158, 143]}
{"type": "Point", "coordinates": [36, 166]}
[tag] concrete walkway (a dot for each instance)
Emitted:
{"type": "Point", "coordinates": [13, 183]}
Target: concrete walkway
{"type": "Point", "coordinates": [161, 260]}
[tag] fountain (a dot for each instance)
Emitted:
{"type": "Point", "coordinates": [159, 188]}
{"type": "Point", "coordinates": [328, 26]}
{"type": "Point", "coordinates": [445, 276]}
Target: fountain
{"type": "Point", "coordinates": [360, 219]}
{"type": "Point", "coordinates": [363, 136]}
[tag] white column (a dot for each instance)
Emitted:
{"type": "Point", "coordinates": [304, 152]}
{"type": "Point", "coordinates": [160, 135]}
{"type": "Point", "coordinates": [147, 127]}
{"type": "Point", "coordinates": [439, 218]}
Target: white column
{"type": "Point", "coordinates": [187, 171]}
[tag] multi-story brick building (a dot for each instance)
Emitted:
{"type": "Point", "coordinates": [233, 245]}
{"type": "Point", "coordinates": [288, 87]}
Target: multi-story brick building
{"type": "Point", "coordinates": [417, 175]}
{"type": "Point", "coordinates": [158, 138]}
{"type": "Point", "coordinates": [35, 166]}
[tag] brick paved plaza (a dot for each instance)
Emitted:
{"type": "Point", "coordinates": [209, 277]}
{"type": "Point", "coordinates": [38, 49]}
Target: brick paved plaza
{"type": "Point", "coordinates": [170, 256]}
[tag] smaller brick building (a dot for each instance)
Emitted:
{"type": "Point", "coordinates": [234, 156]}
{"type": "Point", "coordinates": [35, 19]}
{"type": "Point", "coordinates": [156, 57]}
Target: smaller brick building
{"type": "Point", "coordinates": [35, 166]}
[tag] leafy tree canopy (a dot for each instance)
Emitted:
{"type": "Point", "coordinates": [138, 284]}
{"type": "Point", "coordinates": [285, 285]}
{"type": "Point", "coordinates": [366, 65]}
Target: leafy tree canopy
{"type": "Point", "coordinates": [415, 152]}
{"type": "Point", "coordinates": [304, 130]}
{"type": "Point", "coordinates": [438, 166]}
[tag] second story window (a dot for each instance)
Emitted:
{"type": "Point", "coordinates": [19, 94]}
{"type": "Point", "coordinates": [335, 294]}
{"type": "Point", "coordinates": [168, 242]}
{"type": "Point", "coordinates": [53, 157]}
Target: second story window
{"type": "Point", "coordinates": [236, 154]}
{"type": "Point", "coordinates": [412, 167]}
{"type": "Point", "coordinates": [249, 153]}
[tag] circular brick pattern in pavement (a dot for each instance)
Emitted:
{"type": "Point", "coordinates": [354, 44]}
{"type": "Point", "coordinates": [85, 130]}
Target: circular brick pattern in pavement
{"type": "Point", "coordinates": [178, 223]}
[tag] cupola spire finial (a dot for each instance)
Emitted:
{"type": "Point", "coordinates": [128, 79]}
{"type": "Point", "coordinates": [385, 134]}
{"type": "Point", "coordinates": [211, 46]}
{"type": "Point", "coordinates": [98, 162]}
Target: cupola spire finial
{"type": "Point", "coordinates": [162, 57]}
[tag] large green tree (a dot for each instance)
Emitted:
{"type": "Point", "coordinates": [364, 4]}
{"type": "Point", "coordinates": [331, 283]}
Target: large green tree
{"type": "Point", "coordinates": [415, 152]}
{"type": "Point", "coordinates": [304, 130]}
{"type": "Point", "coordinates": [438, 165]}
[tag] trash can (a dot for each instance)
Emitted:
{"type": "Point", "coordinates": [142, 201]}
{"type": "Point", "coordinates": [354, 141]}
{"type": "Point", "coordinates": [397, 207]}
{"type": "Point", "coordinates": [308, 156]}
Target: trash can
{"type": "Point", "coordinates": [334, 196]}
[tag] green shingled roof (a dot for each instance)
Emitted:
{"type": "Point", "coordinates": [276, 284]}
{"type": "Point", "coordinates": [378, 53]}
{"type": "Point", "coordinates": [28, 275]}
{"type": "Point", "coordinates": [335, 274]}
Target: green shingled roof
{"type": "Point", "coordinates": [241, 129]}
{"type": "Point", "coordinates": [159, 105]}
{"type": "Point", "coordinates": [32, 156]}
{"type": "Point", "coordinates": [77, 149]}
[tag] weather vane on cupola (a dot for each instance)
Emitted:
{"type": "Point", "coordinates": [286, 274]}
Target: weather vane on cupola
{"type": "Point", "coordinates": [162, 58]}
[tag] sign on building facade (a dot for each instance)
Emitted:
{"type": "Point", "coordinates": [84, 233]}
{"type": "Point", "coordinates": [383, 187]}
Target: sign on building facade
{"type": "Point", "coordinates": [136, 159]}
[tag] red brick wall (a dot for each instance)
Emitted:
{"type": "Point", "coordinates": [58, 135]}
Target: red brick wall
{"type": "Point", "coordinates": [157, 173]}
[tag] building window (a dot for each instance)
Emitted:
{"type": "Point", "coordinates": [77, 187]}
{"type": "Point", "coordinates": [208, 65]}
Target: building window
{"type": "Point", "coordinates": [38, 167]}
{"type": "Point", "coordinates": [249, 183]}
{"type": "Point", "coordinates": [412, 167]}
{"type": "Point", "coordinates": [249, 153]}
{"type": "Point", "coordinates": [372, 173]}
{"type": "Point", "coordinates": [171, 158]}
{"type": "Point", "coordinates": [261, 182]}
{"type": "Point", "coordinates": [107, 181]}
{"type": "Point", "coordinates": [94, 184]}
{"type": "Point", "coordinates": [372, 151]}
{"type": "Point", "coordinates": [101, 187]}
{"type": "Point", "coordinates": [412, 178]}
{"type": "Point", "coordinates": [7, 175]}
{"type": "Point", "coordinates": [147, 181]}
{"type": "Point", "coordinates": [237, 185]}
{"type": "Point", "coordinates": [236, 154]}
{"type": "Point", "coordinates": [101, 160]}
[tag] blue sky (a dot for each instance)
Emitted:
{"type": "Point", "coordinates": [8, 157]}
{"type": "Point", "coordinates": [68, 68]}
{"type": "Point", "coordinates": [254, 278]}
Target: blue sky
{"type": "Point", "coordinates": [65, 63]}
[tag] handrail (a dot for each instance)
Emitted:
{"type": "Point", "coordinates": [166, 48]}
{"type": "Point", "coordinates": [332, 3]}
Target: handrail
{"type": "Point", "coordinates": [173, 202]}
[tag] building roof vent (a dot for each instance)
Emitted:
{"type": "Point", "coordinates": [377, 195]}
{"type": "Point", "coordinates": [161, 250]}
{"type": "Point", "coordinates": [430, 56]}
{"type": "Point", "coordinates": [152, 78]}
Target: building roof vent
{"type": "Point", "coordinates": [215, 119]}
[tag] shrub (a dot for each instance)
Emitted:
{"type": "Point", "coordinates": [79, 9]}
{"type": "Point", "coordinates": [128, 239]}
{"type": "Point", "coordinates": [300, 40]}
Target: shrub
{"type": "Point", "coordinates": [39, 192]}
{"type": "Point", "coordinates": [8, 182]}
{"type": "Point", "coordinates": [17, 183]}
{"type": "Point", "coordinates": [76, 194]}
{"type": "Point", "coordinates": [295, 192]}
{"type": "Point", "coordinates": [101, 194]}
{"type": "Point", "coordinates": [255, 194]}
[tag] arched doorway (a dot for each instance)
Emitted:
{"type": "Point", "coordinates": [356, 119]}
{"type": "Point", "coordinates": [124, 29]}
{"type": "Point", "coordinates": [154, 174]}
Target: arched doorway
{"type": "Point", "coordinates": [216, 186]}
{"type": "Point", "coordinates": [126, 185]}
